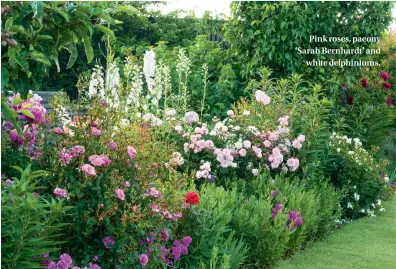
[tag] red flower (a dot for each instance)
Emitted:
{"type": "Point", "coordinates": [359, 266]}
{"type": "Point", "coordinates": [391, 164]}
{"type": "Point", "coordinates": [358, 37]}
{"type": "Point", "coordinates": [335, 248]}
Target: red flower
{"type": "Point", "coordinates": [385, 76]}
{"type": "Point", "coordinates": [364, 83]}
{"type": "Point", "coordinates": [192, 198]}
{"type": "Point", "coordinates": [386, 85]}
{"type": "Point", "coordinates": [350, 100]}
{"type": "Point", "coordinates": [344, 85]}
{"type": "Point", "coordinates": [389, 101]}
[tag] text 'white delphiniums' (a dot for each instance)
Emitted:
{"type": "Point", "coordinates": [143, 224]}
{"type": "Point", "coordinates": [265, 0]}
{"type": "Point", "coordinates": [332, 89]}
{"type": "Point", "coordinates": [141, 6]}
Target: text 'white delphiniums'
{"type": "Point", "coordinates": [149, 68]}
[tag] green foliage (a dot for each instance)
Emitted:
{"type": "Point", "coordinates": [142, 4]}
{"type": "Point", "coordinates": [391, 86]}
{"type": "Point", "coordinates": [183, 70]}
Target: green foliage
{"type": "Point", "coordinates": [268, 33]}
{"type": "Point", "coordinates": [30, 224]}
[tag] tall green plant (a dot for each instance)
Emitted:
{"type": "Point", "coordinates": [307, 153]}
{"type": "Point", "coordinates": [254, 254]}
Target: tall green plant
{"type": "Point", "coordinates": [30, 223]}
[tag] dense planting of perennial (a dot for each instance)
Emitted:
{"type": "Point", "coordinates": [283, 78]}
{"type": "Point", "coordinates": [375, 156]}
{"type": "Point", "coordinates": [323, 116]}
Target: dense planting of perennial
{"type": "Point", "coordinates": [133, 168]}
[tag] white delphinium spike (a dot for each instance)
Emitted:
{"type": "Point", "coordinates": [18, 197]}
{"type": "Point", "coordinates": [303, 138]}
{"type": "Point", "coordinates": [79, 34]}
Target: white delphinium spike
{"type": "Point", "coordinates": [112, 85]}
{"type": "Point", "coordinates": [96, 84]}
{"type": "Point", "coordinates": [149, 68]}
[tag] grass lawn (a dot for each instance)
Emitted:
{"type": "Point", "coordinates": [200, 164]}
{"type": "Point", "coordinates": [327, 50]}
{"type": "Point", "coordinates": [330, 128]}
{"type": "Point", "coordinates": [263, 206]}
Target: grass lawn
{"type": "Point", "coordinates": [365, 243]}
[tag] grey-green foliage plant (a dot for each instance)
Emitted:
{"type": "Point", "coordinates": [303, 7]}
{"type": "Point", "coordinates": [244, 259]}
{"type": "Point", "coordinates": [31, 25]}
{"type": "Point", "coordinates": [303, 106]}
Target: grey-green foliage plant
{"type": "Point", "coordinates": [208, 223]}
{"type": "Point", "coordinates": [30, 224]}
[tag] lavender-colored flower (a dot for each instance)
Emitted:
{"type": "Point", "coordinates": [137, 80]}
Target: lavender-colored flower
{"type": "Point", "coordinates": [9, 182]}
{"type": "Point", "coordinates": [66, 258]}
{"type": "Point", "coordinates": [96, 131]}
{"type": "Point", "coordinates": [60, 193]}
{"type": "Point", "coordinates": [58, 130]}
{"type": "Point", "coordinates": [277, 208]}
{"type": "Point", "coordinates": [143, 260]}
{"type": "Point", "coordinates": [120, 194]}
{"type": "Point", "coordinates": [93, 266]}
{"type": "Point", "coordinates": [99, 160]}
{"type": "Point", "coordinates": [51, 265]}
{"type": "Point", "coordinates": [78, 151]}
{"type": "Point", "coordinates": [35, 194]}
{"type": "Point", "coordinates": [294, 218]}
{"type": "Point", "coordinates": [190, 117]}
{"type": "Point", "coordinates": [112, 145]}
{"type": "Point", "coordinates": [65, 156]}
{"type": "Point", "coordinates": [187, 240]}
{"type": "Point", "coordinates": [131, 152]}
{"type": "Point", "coordinates": [88, 169]}
{"type": "Point", "coordinates": [164, 235]}
{"type": "Point", "coordinates": [176, 253]}
{"type": "Point", "coordinates": [275, 193]}
{"type": "Point", "coordinates": [62, 265]}
{"type": "Point", "coordinates": [108, 242]}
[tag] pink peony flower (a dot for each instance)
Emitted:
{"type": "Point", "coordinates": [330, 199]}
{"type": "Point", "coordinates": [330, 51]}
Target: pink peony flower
{"type": "Point", "coordinates": [88, 169]}
{"type": "Point", "coordinates": [99, 160]}
{"type": "Point", "coordinates": [112, 145]}
{"type": "Point", "coordinates": [242, 152]}
{"type": "Point", "coordinates": [58, 130]}
{"type": "Point", "coordinates": [120, 194]}
{"type": "Point", "coordinates": [262, 97]}
{"type": "Point", "coordinates": [131, 152]}
{"type": "Point", "coordinates": [293, 164]}
{"type": "Point", "coordinates": [191, 117]}
{"type": "Point", "coordinates": [60, 193]}
{"type": "Point", "coordinates": [108, 242]}
{"type": "Point", "coordinates": [78, 151]}
{"type": "Point", "coordinates": [96, 131]}
{"type": "Point", "coordinates": [143, 260]}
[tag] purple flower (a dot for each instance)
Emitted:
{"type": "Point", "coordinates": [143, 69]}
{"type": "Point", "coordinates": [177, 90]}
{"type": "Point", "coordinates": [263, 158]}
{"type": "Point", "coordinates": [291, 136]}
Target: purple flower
{"type": "Point", "coordinates": [78, 151]}
{"type": "Point", "coordinates": [275, 193]}
{"type": "Point", "coordinates": [96, 257]}
{"type": "Point", "coordinates": [9, 182]}
{"type": "Point", "coordinates": [99, 160]}
{"type": "Point", "coordinates": [112, 145]}
{"type": "Point", "coordinates": [15, 138]}
{"type": "Point", "coordinates": [65, 156]}
{"type": "Point", "coordinates": [108, 242]}
{"type": "Point", "coordinates": [164, 235]}
{"type": "Point", "coordinates": [93, 266]}
{"type": "Point", "coordinates": [88, 169]}
{"type": "Point", "coordinates": [62, 265]}
{"type": "Point", "coordinates": [45, 255]}
{"type": "Point", "coordinates": [51, 265]}
{"type": "Point", "coordinates": [66, 258]}
{"type": "Point", "coordinates": [96, 131]}
{"type": "Point", "coordinates": [294, 218]}
{"type": "Point", "coordinates": [176, 253]}
{"type": "Point", "coordinates": [60, 193]}
{"type": "Point", "coordinates": [58, 130]}
{"type": "Point", "coordinates": [187, 240]}
{"type": "Point", "coordinates": [275, 210]}
{"type": "Point", "coordinates": [143, 260]}
{"type": "Point", "coordinates": [35, 193]}
{"type": "Point", "coordinates": [120, 194]}
{"type": "Point", "coordinates": [131, 152]}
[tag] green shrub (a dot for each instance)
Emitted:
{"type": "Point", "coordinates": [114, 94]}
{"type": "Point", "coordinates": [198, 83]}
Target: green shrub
{"type": "Point", "coordinates": [31, 225]}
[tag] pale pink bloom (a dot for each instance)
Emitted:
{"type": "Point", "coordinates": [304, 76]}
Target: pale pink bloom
{"type": "Point", "coordinates": [155, 208]}
{"type": "Point", "coordinates": [230, 113]}
{"type": "Point", "coordinates": [224, 157]}
{"type": "Point", "coordinates": [88, 169]}
{"type": "Point", "coordinates": [179, 129]}
{"type": "Point", "coordinates": [96, 131]}
{"type": "Point", "coordinates": [60, 193]}
{"type": "Point", "coordinates": [242, 152]}
{"type": "Point", "coordinates": [301, 138]}
{"type": "Point", "coordinates": [99, 160]}
{"type": "Point", "coordinates": [297, 144]}
{"type": "Point", "coordinates": [262, 97]}
{"type": "Point", "coordinates": [284, 120]}
{"type": "Point", "coordinates": [246, 113]}
{"type": "Point", "coordinates": [255, 172]}
{"type": "Point", "coordinates": [209, 144]}
{"type": "Point", "coordinates": [191, 117]}
{"type": "Point", "coordinates": [247, 144]}
{"type": "Point", "coordinates": [267, 144]}
{"type": "Point", "coordinates": [170, 112]}
{"type": "Point", "coordinates": [120, 194]}
{"type": "Point", "coordinates": [257, 151]}
{"type": "Point", "coordinates": [293, 163]}
{"type": "Point", "coordinates": [131, 152]}
{"type": "Point", "coordinates": [152, 192]}
{"type": "Point", "coordinates": [276, 158]}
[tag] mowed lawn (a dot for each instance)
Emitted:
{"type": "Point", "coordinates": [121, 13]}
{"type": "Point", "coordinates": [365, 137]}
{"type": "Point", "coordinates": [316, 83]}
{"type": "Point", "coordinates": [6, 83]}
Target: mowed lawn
{"type": "Point", "coordinates": [368, 243]}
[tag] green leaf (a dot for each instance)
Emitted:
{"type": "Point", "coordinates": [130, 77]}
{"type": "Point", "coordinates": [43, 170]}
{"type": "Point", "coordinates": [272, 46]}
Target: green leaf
{"type": "Point", "coordinates": [44, 37]}
{"type": "Point", "coordinates": [8, 24]}
{"type": "Point", "coordinates": [5, 76]}
{"type": "Point", "coordinates": [62, 13]}
{"type": "Point", "coordinates": [22, 84]}
{"type": "Point", "coordinates": [96, 12]}
{"type": "Point", "coordinates": [10, 115]}
{"type": "Point", "coordinates": [128, 9]}
{"type": "Point", "coordinates": [106, 30]}
{"type": "Point", "coordinates": [24, 64]}
{"type": "Point", "coordinates": [27, 113]}
{"type": "Point", "coordinates": [73, 56]}
{"type": "Point", "coordinates": [57, 63]}
{"type": "Point", "coordinates": [39, 57]}
{"type": "Point", "coordinates": [17, 28]}
{"type": "Point", "coordinates": [38, 9]}
{"type": "Point", "coordinates": [88, 47]}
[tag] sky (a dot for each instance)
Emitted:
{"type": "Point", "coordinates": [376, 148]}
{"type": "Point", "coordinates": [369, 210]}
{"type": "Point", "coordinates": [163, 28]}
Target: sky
{"type": "Point", "coordinates": [215, 6]}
